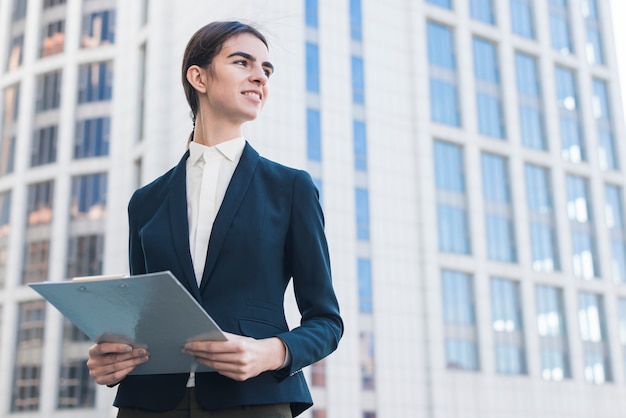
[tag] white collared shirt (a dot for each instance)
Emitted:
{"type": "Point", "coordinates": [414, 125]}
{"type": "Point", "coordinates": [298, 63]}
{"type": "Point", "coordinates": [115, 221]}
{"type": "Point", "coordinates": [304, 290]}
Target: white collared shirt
{"type": "Point", "coordinates": [209, 171]}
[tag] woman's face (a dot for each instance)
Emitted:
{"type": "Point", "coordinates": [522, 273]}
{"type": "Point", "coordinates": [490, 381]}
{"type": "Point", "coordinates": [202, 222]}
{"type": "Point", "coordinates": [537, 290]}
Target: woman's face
{"type": "Point", "coordinates": [237, 84]}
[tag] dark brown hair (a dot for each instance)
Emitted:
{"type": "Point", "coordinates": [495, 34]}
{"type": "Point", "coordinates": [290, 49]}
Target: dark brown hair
{"type": "Point", "coordinates": [203, 46]}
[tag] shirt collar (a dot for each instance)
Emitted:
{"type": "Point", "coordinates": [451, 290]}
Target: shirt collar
{"type": "Point", "coordinates": [230, 149]}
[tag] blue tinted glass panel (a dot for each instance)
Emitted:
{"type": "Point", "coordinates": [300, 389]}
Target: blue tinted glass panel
{"type": "Point", "coordinates": [449, 167]}
{"type": "Point", "coordinates": [441, 3]}
{"type": "Point", "coordinates": [444, 103]}
{"type": "Point", "coordinates": [458, 298]}
{"type": "Point", "coordinates": [92, 138]}
{"type": "Point", "coordinates": [505, 305]}
{"type": "Point", "coordinates": [360, 145]}
{"type": "Point", "coordinates": [356, 23]}
{"type": "Point", "coordinates": [362, 214]}
{"type": "Point", "coordinates": [89, 196]}
{"type": "Point", "coordinates": [485, 61]}
{"type": "Point", "coordinates": [489, 115]}
{"type": "Point", "coordinates": [461, 354]}
{"type": "Point", "coordinates": [495, 178]}
{"type": "Point", "coordinates": [364, 271]}
{"type": "Point", "coordinates": [312, 68]}
{"type": "Point", "coordinates": [482, 10]}
{"type": "Point", "coordinates": [95, 82]}
{"type": "Point", "coordinates": [522, 19]}
{"type": "Point", "coordinates": [559, 27]}
{"type": "Point", "coordinates": [453, 229]}
{"type": "Point", "coordinates": [314, 135]}
{"type": "Point", "coordinates": [441, 46]}
{"type": "Point", "coordinates": [310, 13]}
{"type": "Point", "coordinates": [606, 145]}
{"type": "Point", "coordinates": [358, 81]}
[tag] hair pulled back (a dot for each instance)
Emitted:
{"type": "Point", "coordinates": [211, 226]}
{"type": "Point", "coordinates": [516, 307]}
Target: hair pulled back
{"type": "Point", "coordinates": [203, 46]}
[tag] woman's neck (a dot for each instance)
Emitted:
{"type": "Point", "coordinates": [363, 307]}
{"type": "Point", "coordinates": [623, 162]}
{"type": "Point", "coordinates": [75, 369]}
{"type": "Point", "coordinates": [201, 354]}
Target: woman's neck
{"type": "Point", "coordinates": [211, 134]}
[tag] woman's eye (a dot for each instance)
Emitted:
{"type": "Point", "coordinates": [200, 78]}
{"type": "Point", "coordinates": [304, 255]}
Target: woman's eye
{"type": "Point", "coordinates": [241, 62]}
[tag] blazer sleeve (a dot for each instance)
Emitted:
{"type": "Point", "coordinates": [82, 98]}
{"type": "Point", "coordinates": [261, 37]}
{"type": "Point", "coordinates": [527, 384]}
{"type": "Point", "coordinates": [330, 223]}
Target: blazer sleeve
{"type": "Point", "coordinates": [321, 326]}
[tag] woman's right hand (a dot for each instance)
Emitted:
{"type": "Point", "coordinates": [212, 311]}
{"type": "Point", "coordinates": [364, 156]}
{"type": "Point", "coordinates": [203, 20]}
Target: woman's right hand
{"type": "Point", "coordinates": [109, 363]}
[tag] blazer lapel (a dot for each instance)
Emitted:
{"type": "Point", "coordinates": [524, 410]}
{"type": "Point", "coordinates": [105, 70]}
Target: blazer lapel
{"type": "Point", "coordinates": [179, 225]}
{"type": "Point", "coordinates": [232, 200]}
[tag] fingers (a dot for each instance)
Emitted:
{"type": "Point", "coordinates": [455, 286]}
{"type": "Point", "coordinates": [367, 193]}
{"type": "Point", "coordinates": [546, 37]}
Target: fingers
{"type": "Point", "coordinates": [109, 363]}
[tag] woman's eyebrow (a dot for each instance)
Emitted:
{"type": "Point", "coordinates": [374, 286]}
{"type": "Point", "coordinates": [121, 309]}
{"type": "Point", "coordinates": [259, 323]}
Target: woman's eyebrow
{"type": "Point", "coordinates": [247, 56]}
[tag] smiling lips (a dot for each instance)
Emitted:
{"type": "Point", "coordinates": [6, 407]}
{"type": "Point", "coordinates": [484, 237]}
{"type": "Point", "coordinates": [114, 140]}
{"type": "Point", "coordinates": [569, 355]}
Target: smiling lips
{"type": "Point", "coordinates": [255, 94]}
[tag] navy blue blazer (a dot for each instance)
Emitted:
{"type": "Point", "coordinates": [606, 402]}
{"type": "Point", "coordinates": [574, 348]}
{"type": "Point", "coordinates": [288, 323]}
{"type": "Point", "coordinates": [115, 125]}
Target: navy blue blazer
{"type": "Point", "coordinates": [268, 230]}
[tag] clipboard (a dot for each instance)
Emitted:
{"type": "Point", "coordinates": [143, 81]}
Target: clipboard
{"type": "Point", "coordinates": [151, 310]}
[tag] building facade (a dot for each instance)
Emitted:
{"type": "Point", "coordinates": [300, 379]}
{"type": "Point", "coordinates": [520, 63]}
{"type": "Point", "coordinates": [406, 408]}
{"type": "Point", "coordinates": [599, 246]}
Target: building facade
{"type": "Point", "coordinates": [470, 159]}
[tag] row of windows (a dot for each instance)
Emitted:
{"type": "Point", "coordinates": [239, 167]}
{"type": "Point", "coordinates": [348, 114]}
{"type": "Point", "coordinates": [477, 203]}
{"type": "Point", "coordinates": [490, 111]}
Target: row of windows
{"type": "Point", "coordinates": [445, 100]}
{"type": "Point", "coordinates": [507, 325]}
{"type": "Point", "coordinates": [92, 135]}
{"type": "Point", "coordinates": [85, 249]}
{"type": "Point", "coordinates": [523, 22]}
{"type": "Point", "coordinates": [454, 230]}
{"type": "Point", "coordinates": [98, 29]}
{"type": "Point", "coordinates": [76, 388]}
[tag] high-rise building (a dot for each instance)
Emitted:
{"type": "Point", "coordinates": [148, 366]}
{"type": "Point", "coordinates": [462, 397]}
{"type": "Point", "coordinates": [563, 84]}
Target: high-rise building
{"type": "Point", "coordinates": [470, 161]}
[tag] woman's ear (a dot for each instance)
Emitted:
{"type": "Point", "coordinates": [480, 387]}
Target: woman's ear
{"type": "Point", "coordinates": [197, 77]}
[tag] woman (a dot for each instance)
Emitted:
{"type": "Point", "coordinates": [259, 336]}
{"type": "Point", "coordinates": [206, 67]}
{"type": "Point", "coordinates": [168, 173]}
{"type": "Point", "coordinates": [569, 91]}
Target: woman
{"type": "Point", "coordinates": [234, 228]}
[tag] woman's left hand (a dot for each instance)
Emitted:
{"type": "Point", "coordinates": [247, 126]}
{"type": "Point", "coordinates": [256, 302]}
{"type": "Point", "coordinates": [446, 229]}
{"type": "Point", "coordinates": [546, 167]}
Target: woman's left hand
{"type": "Point", "coordinates": [239, 358]}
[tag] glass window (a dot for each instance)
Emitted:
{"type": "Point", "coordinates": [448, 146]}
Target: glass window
{"type": "Point", "coordinates": [614, 213]}
{"type": "Point", "coordinates": [489, 107]}
{"type": "Point", "coordinates": [530, 102]}
{"type": "Point", "coordinates": [85, 255]}
{"type": "Point", "coordinates": [506, 312]}
{"type": "Point", "coordinates": [447, 4]}
{"type": "Point", "coordinates": [16, 51]}
{"type": "Point", "coordinates": [310, 13]}
{"type": "Point", "coordinates": [444, 98]}
{"type": "Point", "coordinates": [5, 229]}
{"type": "Point", "coordinates": [98, 29]}
{"type": "Point", "coordinates": [482, 10]}
{"type": "Point", "coordinates": [76, 388]}
{"type": "Point", "coordinates": [593, 46]}
{"type": "Point", "coordinates": [44, 146]}
{"type": "Point", "coordinates": [572, 147]}
{"type": "Point", "coordinates": [9, 129]}
{"type": "Point", "coordinates": [622, 329]}
{"type": "Point", "coordinates": [89, 196]}
{"type": "Point", "coordinates": [358, 80]}
{"type": "Point", "coordinates": [95, 82]}
{"type": "Point", "coordinates": [314, 135]}
{"type": "Point", "coordinates": [543, 237]}
{"type": "Point", "coordinates": [452, 224]}
{"type": "Point", "coordinates": [19, 10]}
{"type": "Point", "coordinates": [364, 272]}
{"type": "Point", "coordinates": [39, 204]}
{"type": "Point", "coordinates": [368, 367]}
{"type": "Point", "coordinates": [362, 214]}
{"type": "Point", "coordinates": [360, 145]}
{"type": "Point", "coordinates": [607, 155]}
{"type": "Point", "coordinates": [356, 20]}
{"type": "Point", "coordinates": [498, 209]}
{"type": "Point", "coordinates": [522, 18]}
{"type": "Point", "coordinates": [560, 27]}
{"type": "Point", "coordinates": [312, 68]}
{"type": "Point", "coordinates": [552, 331]}
{"type": "Point", "coordinates": [48, 91]}
{"type": "Point", "coordinates": [52, 38]}
{"type": "Point", "coordinates": [592, 324]}
{"type": "Point", "coordinates": [92, 137]}
{"type": "Point", "coordinates": [584, 257]}
{"type": "Point", "coordinates": [459, 320]}
{"type": "Point", "coordinates": [28, 356]}
{"type": "Point", "coordinates": [47, 4]}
